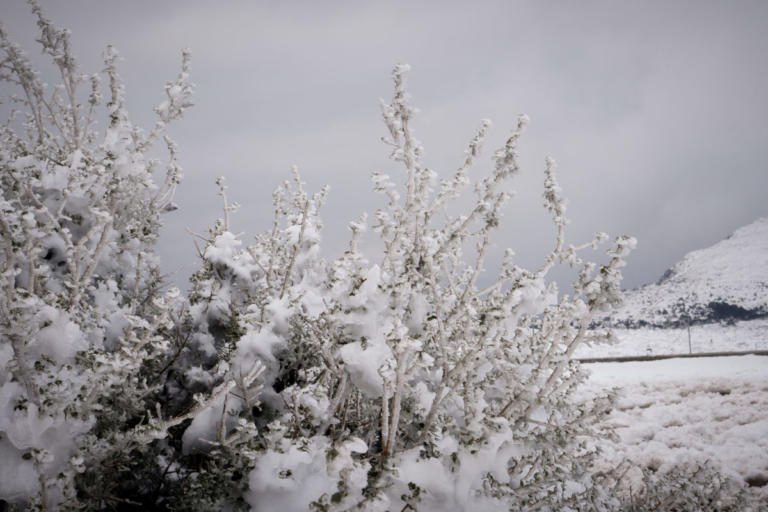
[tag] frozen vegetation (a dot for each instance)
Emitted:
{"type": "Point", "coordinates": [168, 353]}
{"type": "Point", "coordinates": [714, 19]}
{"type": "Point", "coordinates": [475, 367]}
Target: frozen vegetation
{"type": "Point", "coordinates": [286, 381]}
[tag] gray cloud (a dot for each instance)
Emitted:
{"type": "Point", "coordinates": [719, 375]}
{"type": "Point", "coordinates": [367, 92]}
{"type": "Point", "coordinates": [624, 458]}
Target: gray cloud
{"type": "Point", "coordinates": [655, 111]}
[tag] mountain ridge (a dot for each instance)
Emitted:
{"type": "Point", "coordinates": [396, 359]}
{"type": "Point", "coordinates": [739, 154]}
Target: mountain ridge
{"type": "Point", "coordinates": [725, 282]}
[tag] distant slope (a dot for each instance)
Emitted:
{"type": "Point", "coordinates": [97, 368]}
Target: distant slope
{"type": "Point", "coordinates": [725, 282]}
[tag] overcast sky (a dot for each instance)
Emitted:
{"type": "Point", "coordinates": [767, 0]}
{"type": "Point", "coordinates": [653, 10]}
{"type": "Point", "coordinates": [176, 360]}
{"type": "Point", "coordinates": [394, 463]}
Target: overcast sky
{"type": "Point", "coordinates": [655, 111]}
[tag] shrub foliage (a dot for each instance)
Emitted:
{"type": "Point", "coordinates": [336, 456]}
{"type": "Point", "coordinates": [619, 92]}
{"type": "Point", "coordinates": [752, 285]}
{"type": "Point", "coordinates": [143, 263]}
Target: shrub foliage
{"type": "Point", "coordinates": [283, 380]}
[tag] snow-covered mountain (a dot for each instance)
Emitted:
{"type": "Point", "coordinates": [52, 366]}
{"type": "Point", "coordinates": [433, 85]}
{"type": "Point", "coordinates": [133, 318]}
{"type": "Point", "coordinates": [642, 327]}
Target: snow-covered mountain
{"type": "Point", "coordinates": [725, 282]}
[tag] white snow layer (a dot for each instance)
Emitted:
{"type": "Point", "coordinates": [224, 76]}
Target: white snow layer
{"type": "Point", "coordinates": [685, 411]}
{"type": "Point", "coordinates": [714, 337]}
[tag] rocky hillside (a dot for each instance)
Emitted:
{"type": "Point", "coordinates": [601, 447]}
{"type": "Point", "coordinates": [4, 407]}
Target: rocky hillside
{"type": "Point", "coordinates": [722, 283]}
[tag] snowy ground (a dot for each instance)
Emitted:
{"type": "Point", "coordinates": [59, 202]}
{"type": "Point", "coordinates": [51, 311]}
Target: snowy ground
{"type": "Point", "coordinates": [750, 335]}
{"type": "Point", "coordinates": [677, 411]}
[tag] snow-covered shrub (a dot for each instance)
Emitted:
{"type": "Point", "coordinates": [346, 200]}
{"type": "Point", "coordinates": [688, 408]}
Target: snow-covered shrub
{"type": "Point", "coordinates": [84, 326]}
{"type": "Point", "coordinates": [285, 381]}
{"type": "Point", "coordinates": [399, 383]}
{"type": "Point", "coordinates": [699, 487]}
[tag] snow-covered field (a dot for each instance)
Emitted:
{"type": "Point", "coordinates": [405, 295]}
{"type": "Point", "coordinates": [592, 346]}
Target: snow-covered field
{"type": "Point", "coordinates": [692, 410]}
{"type": "Point", "coordinates": [679, 411]}
{"type": "Point", "coordinates": [741, 336]}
